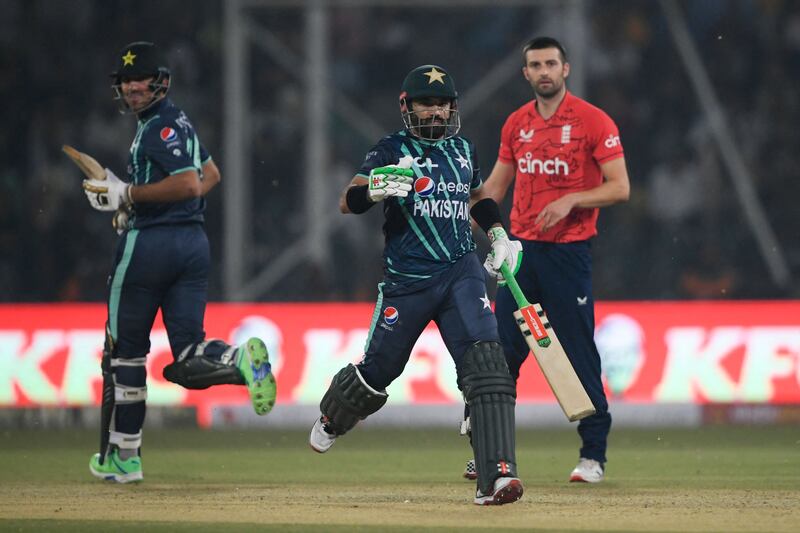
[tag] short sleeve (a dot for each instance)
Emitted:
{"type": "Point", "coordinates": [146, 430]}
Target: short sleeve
{"type": "Point", "coordinates": [506, 153]}
{"type": "Point", "coordinates": [379, 155]}
{"type": "Point", "coordinates": [477, 180]}
{"type": "Point", "coordinates": [174, 149]}
{"type": "Point", "coordinates": [606, 135]}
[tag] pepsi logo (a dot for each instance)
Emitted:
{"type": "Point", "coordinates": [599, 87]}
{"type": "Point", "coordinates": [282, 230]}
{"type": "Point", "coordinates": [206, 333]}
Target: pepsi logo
{"type": "Point", "coordinates": [390, 315]}
{"type": "Point", "coordinates": [424, 186]}
{"type": "Point", "coordinates": [168, 134]}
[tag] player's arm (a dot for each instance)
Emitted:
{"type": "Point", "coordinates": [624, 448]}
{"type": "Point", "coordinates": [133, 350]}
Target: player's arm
{"type": "Point", "coordinates": [359, 183]}
{"type": "Point", "coordinates": [211, 177]}
{"type": "Point", "coordinates": [184, 185]}
{"type": "Point", "coordinates": [486, 213]}
{"type": "Point", "coordinates": [383, 182]}
{"type": "Point", "coordinates": [614, 189]}
{"type": "Point", "coordinates": [499, 180]}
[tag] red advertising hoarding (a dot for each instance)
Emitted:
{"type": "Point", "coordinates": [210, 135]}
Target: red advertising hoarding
{"type": "Point", "coordinates": [653, 352]}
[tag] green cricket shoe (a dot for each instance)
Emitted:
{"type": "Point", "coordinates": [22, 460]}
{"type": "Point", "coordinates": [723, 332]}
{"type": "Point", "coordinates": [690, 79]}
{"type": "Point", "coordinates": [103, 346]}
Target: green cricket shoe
{"type": "Point", "coordinates": [253, 362]}
{"type": "Point", "coordinates": [115, 469]}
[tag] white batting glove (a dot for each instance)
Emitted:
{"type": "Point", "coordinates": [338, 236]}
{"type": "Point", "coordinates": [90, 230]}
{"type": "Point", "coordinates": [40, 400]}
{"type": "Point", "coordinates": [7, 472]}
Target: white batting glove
{"type": "Point", "coordinates": [503, 251]}
{"type": "Point", "coordinates": [391, 180]}
{"type": "Point", "coordinates": [109, 194]}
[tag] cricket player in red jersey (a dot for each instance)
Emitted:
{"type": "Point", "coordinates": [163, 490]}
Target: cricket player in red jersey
{"type": "Point", "coordinates": [566, 160]}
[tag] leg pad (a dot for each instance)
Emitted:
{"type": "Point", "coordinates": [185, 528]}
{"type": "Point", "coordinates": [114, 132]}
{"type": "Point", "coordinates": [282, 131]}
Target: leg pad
{"type": "Point", "coordinates": [348, 400]}
{"type": "Point", "coordinates": [490, 393]}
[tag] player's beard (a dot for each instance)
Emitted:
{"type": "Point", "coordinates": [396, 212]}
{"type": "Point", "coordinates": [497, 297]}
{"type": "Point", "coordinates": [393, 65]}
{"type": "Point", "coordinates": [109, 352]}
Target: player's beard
{"type": "Point", "coordinates": [431, 128]}
{"type": "Point", "coordinates": [550, 91]}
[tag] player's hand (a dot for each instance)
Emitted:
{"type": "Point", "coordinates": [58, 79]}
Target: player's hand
{"type": "Point", "coordinates": [391, 180]}
{"type": "Point", "coordinates": [553, 213]}
{"type": "Point", "coordinates": [503, 251]}
{"type": "Point", "coordinates": [120, 220]}
{"type": "Point", "coordinates": [109, 194]}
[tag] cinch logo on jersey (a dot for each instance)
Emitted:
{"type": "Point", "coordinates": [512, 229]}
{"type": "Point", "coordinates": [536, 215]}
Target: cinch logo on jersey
{"type": "Point", "coordinates": [168, 134]}
{"type": "Point", "coordinates": [612, 141]}
{"type": "Point", "coordinates": [528, 165]}
{"type": "Point", "coordinates": [390, 315]}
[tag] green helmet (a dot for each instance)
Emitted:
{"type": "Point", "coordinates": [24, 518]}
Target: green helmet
{"type": "Point", "coordinates": [429, 81]}
{"type": "Point", "coordinates": [140, 60]}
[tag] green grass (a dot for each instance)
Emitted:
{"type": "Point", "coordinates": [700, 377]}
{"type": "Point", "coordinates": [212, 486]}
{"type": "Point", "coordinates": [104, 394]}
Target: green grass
{"type": "Point", "coordinates": [378, 476]}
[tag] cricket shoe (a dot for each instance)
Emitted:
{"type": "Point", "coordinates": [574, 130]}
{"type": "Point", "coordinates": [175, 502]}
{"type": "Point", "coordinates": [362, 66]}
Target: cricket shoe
{"type": "Point", "coordinates": [253, 362]}
{"type": "Point", "coordinates": [469, 470]}
{"type": "Point", "coordinates": [506, 490]}
{"type": "Point", "coordinates": [587, 471]}
{"type": "Point", "coordinates": [320, 439]}
{"type": "Point", "coordinates": [115, 469]}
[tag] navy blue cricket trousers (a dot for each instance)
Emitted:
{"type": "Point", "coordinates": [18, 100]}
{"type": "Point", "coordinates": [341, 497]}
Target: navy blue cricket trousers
{"type": "Point", "coordinates": [455, 299]}
{"type": "Point", "coordinates": [163, 266]}
{"type": "Point", "coordinates": [559, 277]}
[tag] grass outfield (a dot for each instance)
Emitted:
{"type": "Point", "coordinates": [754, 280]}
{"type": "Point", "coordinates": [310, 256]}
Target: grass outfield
{"type": "Point", "coordinates": [725, 479]}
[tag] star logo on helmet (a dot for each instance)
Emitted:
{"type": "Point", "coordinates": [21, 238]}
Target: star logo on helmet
{"type": "Point", "coordinates": [128, 58]}
{"type": "Point", "coordinates": [435, 75]}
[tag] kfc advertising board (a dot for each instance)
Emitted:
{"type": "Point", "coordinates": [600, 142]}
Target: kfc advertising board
{"type": "Point", "coordinates": [653, 352]}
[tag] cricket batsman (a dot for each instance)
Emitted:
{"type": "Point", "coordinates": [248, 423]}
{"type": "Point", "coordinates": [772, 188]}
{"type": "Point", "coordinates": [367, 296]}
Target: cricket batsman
{"type": "Point", "coordinates": [427, 180]}
{"type": "Point", "coordinates": [162, 262]}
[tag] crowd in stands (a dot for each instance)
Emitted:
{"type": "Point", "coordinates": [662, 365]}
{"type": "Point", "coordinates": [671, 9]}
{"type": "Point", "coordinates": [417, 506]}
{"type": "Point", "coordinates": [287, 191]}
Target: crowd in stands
{"type": "Point", "coordinates": [683, 235]}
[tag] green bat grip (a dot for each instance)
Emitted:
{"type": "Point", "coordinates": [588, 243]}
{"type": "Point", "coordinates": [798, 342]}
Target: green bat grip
{"type": "Point", "coordinates": [392, 169]}
{"type": "Point", "coordinates": [514, 286]}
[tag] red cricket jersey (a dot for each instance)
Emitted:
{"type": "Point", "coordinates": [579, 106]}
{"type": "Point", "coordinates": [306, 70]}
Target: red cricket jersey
{"type": "Point", "coordinates": [554, 157]}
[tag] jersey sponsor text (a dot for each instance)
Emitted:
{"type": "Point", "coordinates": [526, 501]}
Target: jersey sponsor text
{"type": "Point", "coordinates": [442, 209]}
{"type": "Point", "coordinates": [529, 165]}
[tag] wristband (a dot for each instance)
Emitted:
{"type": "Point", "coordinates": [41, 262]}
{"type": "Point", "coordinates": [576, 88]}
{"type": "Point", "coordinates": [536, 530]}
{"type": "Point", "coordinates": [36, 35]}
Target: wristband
{"type": "Point", "coordinates": [486, 214]}
{"type": "Point", "coordinates": [356, 199]}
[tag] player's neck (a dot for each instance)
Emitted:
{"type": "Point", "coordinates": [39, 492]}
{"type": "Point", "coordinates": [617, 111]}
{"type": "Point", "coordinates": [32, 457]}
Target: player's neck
{"type": "Point", "coordinates": [547, 106]}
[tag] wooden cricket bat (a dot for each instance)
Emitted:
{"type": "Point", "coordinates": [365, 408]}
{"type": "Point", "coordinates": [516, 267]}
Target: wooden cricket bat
{"type": "Point", "coordinates": [549, 354]}
{"type": "Point", "coordinates": [85, 162]}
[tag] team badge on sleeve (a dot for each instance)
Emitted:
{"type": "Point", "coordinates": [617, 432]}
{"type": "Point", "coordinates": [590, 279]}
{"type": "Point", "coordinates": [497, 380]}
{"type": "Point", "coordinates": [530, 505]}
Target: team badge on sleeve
{"type": "Point", "coordinates": [168, 134]}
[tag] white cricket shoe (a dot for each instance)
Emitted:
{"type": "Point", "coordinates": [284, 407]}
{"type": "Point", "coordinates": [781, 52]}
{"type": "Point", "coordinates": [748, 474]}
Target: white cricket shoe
{"type": "Point", "coordinates": [320, 440]}
{"type": "Point", "coordinates": [506, 490]}
{"type": "Point", "coordinates": [587, 471]}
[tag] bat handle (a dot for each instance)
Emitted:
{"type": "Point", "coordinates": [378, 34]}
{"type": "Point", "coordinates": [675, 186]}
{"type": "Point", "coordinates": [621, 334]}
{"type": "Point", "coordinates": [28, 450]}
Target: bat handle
{"type": "Point", "coordinates": [513, 286]}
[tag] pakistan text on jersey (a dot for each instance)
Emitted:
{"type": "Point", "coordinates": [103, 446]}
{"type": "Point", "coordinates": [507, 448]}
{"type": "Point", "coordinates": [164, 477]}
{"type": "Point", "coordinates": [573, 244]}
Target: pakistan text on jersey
{"type": "Point", "coordinates": [442, 209]}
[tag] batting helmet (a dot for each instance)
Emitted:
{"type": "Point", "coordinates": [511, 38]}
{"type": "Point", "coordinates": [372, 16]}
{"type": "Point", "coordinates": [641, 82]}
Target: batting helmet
{"type": "Point", "coordinates": [140, 60]}
{"type": "Point", "coordinates": [429, 81]}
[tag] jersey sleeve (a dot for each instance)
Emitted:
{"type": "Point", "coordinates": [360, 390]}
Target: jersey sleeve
{"type": "Point", "coordinates": [605, 136]}
{"type": "Point", "coordinates": [380, 155]}
{"type": "Point", "coordinates": [477, 180]}
{"type": "Point", "coordinates": [505, 153]}
{"type": "Point", "coordinates": [205, 157]}
{"type": "Point", "coordinates": [173, 148]}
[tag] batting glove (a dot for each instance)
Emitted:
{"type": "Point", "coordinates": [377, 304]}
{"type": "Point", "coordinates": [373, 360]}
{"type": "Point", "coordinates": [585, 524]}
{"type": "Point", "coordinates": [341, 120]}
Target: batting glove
{"type": "Point", "coordinates": [392, 180]}
{"type": "Point", "coordinates": [503, 251]}
{"type": "Point", "coordinates": [120, 220]}
{"type": "Point", "coordinates": [109, 194]}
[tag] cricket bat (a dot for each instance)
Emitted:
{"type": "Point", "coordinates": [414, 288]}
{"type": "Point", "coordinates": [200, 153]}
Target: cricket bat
{"type": "Point", "coordinates": [85, 162]}
{"type": "Point", "coordinates": [552, 359]}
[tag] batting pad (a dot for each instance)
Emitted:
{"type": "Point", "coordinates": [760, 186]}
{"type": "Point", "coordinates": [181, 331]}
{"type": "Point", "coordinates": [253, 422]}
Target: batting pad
{"type": "Point", "coordinates": [490, 392]}
{"type": "Point", "coordinates": [348, 400]}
